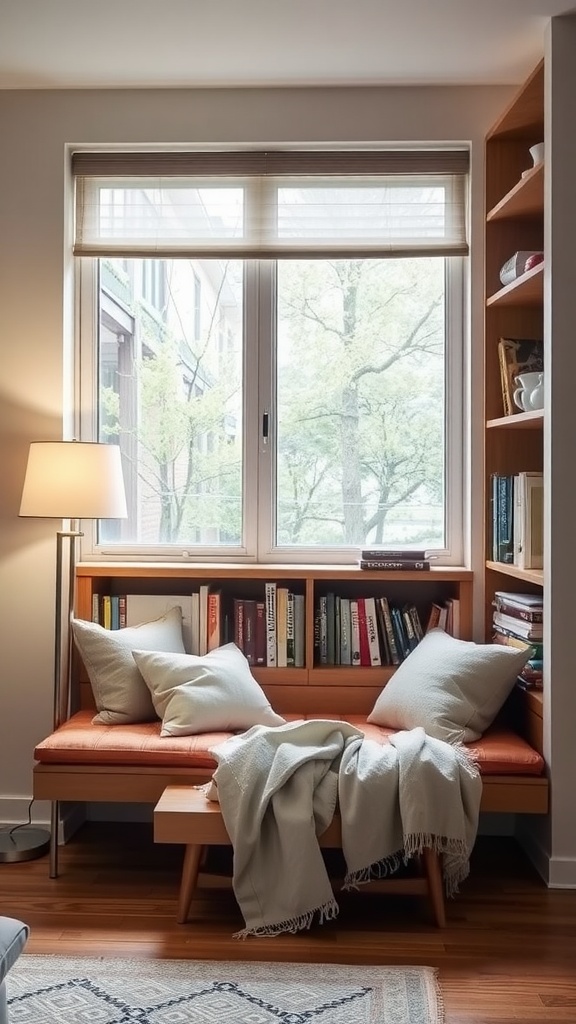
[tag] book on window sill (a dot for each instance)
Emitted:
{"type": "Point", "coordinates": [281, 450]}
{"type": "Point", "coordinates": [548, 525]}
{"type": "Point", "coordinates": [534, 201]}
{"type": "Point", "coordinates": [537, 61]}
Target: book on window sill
{"type": "Point", "coordinates": [396, 565]}
{"type": "Point", "coordinates": [385, 555]}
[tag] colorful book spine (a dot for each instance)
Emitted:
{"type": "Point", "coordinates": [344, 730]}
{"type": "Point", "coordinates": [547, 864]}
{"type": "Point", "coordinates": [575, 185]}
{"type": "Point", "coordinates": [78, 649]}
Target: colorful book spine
{"type": "Point", "coordinates": [250, 631]}
{"type": "Point", "coordinates": [395, 654]}
{"type": "Point", "coordinates": [290, 631]}
{"type": "Point", "coordinates": [363, 628]}
{"type": "Point", "coordinates": [214, 622]}
{"type": "Point", "coordinates": [281, 623]}
{"type": "Point", "coordinates": [260, 633]}
{"type": "Point", "coordinates": [372, 631]}
{"type": "Point", "coordinates": [299, 630]}
{"type": "Point", "coordinates": [270, 599]}
{"type": "Point", "coordinates": [355, 633]}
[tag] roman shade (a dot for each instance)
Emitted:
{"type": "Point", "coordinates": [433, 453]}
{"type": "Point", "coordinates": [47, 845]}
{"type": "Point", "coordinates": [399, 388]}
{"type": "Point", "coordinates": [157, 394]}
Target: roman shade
{"type": "Point", "coordinates": [279, 204]}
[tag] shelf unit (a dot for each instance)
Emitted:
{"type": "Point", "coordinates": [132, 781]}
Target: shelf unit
{"type": "Point", "coordinates": [514, 198]}
{"type": "Point", "coordinates": [422, 588]}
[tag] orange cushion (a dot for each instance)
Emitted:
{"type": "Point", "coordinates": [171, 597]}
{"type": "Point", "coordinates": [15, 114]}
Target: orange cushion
{"type": "Point", "coordinates": [77, 741]}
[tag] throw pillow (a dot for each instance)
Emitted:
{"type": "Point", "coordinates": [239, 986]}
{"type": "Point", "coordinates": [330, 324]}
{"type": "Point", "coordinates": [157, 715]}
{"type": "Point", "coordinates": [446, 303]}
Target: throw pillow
{"type": "Point", "coordinates": [120, 693]}
{"type": "Point", "coordinates": [208, 693]}
{"type": "Point", "coordinates": [452, 688]}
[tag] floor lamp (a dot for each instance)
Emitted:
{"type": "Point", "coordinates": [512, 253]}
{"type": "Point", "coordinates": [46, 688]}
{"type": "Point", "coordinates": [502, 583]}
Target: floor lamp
{"type": "Point", "coordinates": [70, 480]}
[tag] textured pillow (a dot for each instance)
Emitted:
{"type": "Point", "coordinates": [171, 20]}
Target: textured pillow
{"type": "Point", "coordinates": [120, 694]}
{"type": "Point", "coordinates": [452, 688]}
{"type": "Point", "coordinates": [208, 693]}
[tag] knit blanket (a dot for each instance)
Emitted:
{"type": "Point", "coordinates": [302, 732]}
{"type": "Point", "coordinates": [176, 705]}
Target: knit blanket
{"type": "Point", "coordinates": [279, 787]}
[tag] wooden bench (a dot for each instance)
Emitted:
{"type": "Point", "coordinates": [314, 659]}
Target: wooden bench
{"type": "Point", "coordinates": [184, 815]}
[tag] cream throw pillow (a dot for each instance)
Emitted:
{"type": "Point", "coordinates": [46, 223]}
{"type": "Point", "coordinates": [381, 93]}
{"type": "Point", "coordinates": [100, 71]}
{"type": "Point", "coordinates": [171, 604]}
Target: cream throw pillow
{"type": "Point", "coordinates": [209, 693]}
{"type": "Point", "coordinates": [120, 693]}
{"type": "Point", "coordinates": [452, 688]}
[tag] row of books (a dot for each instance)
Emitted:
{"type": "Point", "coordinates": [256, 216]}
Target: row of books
{"type": "Point", "coordinates": [370, 631]}
{"type": "Point", "coordinates": [518, 622]}
{"type": "Point", "coordinates": [270, 632]}
{"type": "Point", "coordinates": [405, 559]}
{"type": "Point", "coordinates": [518, 519]}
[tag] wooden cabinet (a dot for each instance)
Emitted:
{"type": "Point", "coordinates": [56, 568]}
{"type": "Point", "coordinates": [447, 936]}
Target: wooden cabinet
{"type": "Point", "coordinates": [241, 581]}
{"type": "Point", "coordinates": [514, 196]}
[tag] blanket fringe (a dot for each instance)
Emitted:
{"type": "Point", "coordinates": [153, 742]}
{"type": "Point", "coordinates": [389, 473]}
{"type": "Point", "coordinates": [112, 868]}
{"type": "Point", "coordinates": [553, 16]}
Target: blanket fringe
{"type": "Point", "coordinates": [381, 869]}
{"type": "Point", "coordinates": [327, 912]}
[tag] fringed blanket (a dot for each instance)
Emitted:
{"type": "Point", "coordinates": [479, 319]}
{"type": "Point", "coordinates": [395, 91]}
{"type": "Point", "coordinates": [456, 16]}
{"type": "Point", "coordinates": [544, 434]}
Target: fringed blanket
{"type": "Point", "coordinates": [279, 787]}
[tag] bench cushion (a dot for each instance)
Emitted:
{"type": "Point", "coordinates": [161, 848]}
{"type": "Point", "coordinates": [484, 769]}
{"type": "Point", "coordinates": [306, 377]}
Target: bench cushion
{"type": "Point", "coordinates": [77, 741]}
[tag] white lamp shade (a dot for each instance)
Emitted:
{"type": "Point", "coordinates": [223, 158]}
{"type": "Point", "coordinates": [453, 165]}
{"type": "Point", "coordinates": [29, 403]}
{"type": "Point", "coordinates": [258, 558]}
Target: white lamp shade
{"type": "Point", "coordinates": [73, 480]}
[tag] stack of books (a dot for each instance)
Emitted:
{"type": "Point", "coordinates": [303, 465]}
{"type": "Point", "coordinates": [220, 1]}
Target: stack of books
{"type": "Point", "coordinates": [400, 561]}
{"type": "Point", "coordinates": [517, 622]}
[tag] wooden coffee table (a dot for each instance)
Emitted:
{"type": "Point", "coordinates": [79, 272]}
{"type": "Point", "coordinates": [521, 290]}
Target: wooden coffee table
{"type": "Point", "coordinates": [184, 815]}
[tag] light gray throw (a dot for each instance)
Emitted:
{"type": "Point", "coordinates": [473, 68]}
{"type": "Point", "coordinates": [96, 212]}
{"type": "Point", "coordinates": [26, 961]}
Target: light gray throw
{"type": "Point", "coordinates": [278, 790]}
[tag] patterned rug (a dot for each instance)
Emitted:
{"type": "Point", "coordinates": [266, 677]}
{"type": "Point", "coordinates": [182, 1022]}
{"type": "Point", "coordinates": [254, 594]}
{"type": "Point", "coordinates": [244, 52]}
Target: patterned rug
{"type": "Point", "coordinates": [64, 990]}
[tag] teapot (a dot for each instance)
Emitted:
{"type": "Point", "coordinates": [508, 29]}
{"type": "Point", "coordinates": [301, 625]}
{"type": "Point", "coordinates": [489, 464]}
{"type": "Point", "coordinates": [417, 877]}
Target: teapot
{"type": "Point", "coordinates": [527, 384]}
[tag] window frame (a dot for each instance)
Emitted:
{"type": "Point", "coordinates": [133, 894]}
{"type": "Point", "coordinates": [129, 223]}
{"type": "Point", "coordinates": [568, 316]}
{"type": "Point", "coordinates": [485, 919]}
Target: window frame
{"type": "Point", "coordinates": [258, 461]}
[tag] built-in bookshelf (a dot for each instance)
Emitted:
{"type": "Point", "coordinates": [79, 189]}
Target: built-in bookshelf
{"type": "Point", "coordinates": [421, 590]}
{"type": "Point", "coordinates": [514, 195]}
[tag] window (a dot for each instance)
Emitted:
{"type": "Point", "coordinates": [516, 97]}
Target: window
{"type": "Point", "coordinates": [278, 354]}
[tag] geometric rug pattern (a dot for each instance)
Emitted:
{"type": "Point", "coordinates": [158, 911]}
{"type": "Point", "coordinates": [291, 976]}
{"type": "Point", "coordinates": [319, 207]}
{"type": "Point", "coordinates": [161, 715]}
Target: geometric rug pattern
{"type": "Point", "coordinates": [87, 990]}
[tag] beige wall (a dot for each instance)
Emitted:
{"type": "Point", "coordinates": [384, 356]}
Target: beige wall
{"type": "Point", "coordinates": [35, 316]}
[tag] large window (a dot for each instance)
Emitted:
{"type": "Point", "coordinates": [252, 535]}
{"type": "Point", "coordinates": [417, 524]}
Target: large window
{"type": "Point", "coordinates": [279, 359]}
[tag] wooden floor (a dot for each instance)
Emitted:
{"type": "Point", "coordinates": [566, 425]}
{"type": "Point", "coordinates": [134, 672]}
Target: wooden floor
{"type": "Point", "coordinates": [508, 953]}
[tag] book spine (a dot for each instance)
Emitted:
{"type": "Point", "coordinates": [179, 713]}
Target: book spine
{"type": "Point", "coordinates": [337, 629]}
{"type": "Point", "coordinates": [400, 633]}
{"type": "Point", "coordinates": [345, 632]}
{"type": "Point", "coordinates": [504, 514]}
{"type": "Point", "coordinates": [281, 623]}
{"type": "Point", "coordinates": [96, 602]}
{"type": "Point", "coordinates": [518, 613]}
{"type": "Point", "coordinates": [406, 564]}
{"type": "Point", "coordinates": [260, 633]}
{"type": "Point", "coordinates": [195, 622]}
{"type": "Point", "coordinates": [409, 628]}
{"type": "Point", "coordinates": [354, 633]}
{"type": "Point", "coordinates": [433, 618]}
{"type": "Point", "coordinates": [214, 599]}
{"type": "Point", "coordinates": [299, 630]}
{"type": "Point", "coordinates": [290, 637]}
{"type": "Point", "coordinates": [378, 555]}
{"type": "Point", "coordinates": [363, 630]}
{"type": "Point", "coordinates": [270, 597]}
{"type": "Point", "coordinates": [122, 611]}
{"type": "Point", "coordinates": [372, 631]}
{"type": "Point", "coordinates": [250, 631]}
{"type": "Point", "coordinates": [106, 611]}
{"type": "Point", "coordinates": [203, 629]}
{"type": "Point", "coordinates": [390, 634]}
{"type": "Point", "coordinates": [330, 629]}
{"type": "Point", "coordinates": [239, 623]}
{"type": "Point", "coordinates": [114, 612]}
{"type": "Point", "coordinates": [323, 637]}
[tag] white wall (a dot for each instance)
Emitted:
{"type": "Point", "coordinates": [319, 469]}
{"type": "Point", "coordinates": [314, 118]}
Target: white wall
{"type": "Point", "coordinates": [35, 315]}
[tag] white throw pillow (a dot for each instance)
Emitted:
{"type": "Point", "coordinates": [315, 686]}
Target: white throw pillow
{"type": "Point", "coordinates": [120, 693]}
{"type": "Point", "coordinates": [209, 693]}
{"type": "Point", "coordinates": [452, 688]}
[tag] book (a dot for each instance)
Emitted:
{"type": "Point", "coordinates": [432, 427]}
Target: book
{"type": "Point", "coordinates": [372, 631]}
{"type": "Point", "coordinates": [518, 611]}
{"type": "Point", "coordinates": [528, 527]}
{"type": "Point", "coordinates": [355, 632]}
{"type": "Point", "coordinates": [250, 631]}
{"type": "Point", "coordinates": [383, 554]}
{"type": "Point", "coordinates": [290, 633]}
{"type": "Point", "coordinates": [106, 611]}
{"type": "Point", "coordinates": [408, 628]}
{"type": "Point", "coordinates": [194, 622]}
{"type": "Point", "coordinates": [214, 619]}
{"type": "Point", "coordinates": [260, 633]}
{"type": "Point", "coordinates": [239, 623]}
{"type": "Point", "coordinates": [515, 356]}
{"type": "Point", "coordinates": [531, 601]}
{"type": "Point", "coordinates": [363, 633]}
{"type": "Point", "coordinates": [390, 634]}
{"type": "Point", "coordinates": [330, 629]}
{"type": "Point", "coordinates": [270, 600]}
{"type": "Point", "coordinates": [406, 564]}
{"type": "Point", "coordinates": [323, 630]}
{"type": "Point", "coordinates": [299, 630]}
{"type": "Point", "coordinates": [281, 623]}
{"type": "Point", "coordinates": [526, 630]}
{"type": "Point", "coordinates": [203, 619]}
{"type": "Point", "coordinates": [503, 520]}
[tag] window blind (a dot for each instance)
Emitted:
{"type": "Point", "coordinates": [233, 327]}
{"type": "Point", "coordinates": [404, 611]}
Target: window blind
{"type": "Point", "coordinates": [289, 204]}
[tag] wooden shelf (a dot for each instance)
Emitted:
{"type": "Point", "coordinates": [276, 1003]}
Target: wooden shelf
{"type": "Point", "coordinates": [521, 421]}
{"type": "Point", "coordinates": [526, 199]}
{"type": "Point", "coordinates": [526, 290]}
{"type": "Point", "coordinates": [528, 575]}
{"type": "Point", "coordinates": [231, 571]}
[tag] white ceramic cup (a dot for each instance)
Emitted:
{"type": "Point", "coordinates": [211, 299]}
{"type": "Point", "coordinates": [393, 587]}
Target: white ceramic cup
{"type": "Point", "coordinates": [537, 153]}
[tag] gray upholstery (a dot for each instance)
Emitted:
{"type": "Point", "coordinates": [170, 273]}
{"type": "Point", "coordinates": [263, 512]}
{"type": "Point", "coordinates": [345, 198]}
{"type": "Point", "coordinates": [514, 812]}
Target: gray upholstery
{"type": "Point", "coordinates": [13, 936]}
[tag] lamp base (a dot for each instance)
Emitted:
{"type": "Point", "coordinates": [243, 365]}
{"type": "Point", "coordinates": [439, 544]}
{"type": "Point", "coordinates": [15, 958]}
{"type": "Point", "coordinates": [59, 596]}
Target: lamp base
{"type": "Point", "coordinates": [24, 843]}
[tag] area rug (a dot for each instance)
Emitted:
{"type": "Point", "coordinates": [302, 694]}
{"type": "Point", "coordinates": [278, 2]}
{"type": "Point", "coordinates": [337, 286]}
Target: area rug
{"type": "Point", "coordinates": [64, 990]}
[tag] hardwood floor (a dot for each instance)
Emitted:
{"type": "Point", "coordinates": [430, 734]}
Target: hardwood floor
{"type": "Point", "coordinates": [507, 955]}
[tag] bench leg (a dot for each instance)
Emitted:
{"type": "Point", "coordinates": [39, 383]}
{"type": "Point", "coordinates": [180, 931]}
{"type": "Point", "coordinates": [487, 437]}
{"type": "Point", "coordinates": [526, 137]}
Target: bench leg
{"type": "Point", "coordinates": [190, 868]}
{"type": "Point", "coordinates": [433, 874]}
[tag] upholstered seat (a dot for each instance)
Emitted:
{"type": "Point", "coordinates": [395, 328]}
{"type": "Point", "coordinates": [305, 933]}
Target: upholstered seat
{"type": "Point", "coordinates": [13, 937]}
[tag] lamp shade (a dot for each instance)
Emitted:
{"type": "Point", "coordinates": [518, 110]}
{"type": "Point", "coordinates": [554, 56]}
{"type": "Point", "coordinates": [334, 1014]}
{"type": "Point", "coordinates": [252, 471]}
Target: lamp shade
{"type": "Point", "coordinates": [73, 480]}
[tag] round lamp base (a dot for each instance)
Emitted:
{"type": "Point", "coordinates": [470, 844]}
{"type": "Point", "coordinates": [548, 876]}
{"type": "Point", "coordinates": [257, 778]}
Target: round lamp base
{"type": "Point", "coordinates": [24, 843]}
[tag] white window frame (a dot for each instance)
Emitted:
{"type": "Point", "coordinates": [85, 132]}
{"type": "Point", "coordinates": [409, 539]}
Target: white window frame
{"type": "Point", "coordinates": [258, 461]}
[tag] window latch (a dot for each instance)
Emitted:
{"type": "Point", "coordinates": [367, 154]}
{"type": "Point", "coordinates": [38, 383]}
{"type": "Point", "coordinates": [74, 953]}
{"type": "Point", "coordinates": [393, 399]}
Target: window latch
{"type": "Point", "coordinates": [265, 426]}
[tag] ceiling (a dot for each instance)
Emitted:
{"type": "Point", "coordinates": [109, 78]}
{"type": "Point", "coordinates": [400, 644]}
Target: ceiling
{"type": "Point", "coordinates": [65, 44]}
